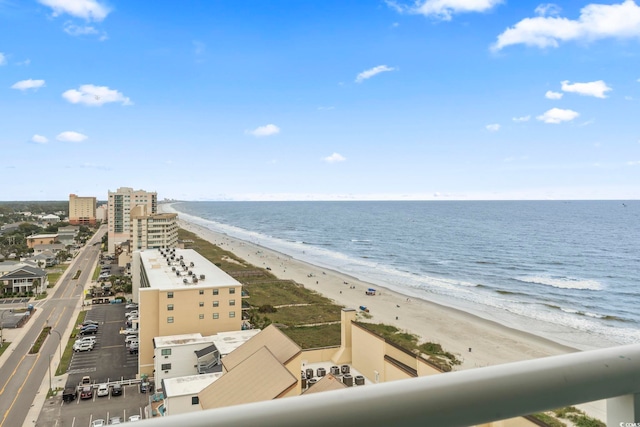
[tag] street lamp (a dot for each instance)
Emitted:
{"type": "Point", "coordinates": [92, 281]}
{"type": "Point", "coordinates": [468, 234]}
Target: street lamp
{"type": "Point", "coordinates": [60, 339]}
{"type": "Point", "coordinates": [50, 356]}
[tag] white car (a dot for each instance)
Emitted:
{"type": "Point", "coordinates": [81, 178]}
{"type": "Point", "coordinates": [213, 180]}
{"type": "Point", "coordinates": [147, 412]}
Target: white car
{"type": "Point", "coordinates": [103, 390]}
{"type": "Point", "coordinates": [130, 331]}
{"type": "Point", "coordinates": [83, 346]}
{"type": "Point", "coordinates": [133, 418]}
{"type": "Point", "coordinates": [130, 338]}
{"type": "Point", "coordinates": [131, 305]}
{"type": "Point", "coordinates": [133, 313]}
{"type": "Point", "coordinates": [86, 339]}
{"type": "Point", "coordinates": [97, 423]}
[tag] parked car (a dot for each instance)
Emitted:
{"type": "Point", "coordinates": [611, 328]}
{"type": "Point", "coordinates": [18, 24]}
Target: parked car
{"type": "Point", "coordinates": [144, 387]}
{"type": "Point", "coordinates": [133, 418]}
{"type": "Point", "coordinates": [114, 421]}
{"type": "Point", "coordinates": [131, 305]}
{"type": "Point", "coordinates": [89, 322]}
{"type": "Point", "coordinates": [84, 346]}
{"type": "Point", "coordinates": [130, 338]}
{"type": "Point", "coordinates": [103, 390]}
{"type": "Point", "coordinates": [116, 390]}
{"type": "Point", "coordinates": [131, 331]}
{"type": "Point", "coordinates": [98, 423]}
{"type": "Point", "coordinates": [133, 348]}
{"type": "Point", "coordinates": [69, 394]}
{"type": "Point", "coordinates": [89, 332]}
{"type": "Point", "coordinates": [85, 339]}
{"type": "Point", "coordinates": [85, 380]}
{"type": "Point", "coordinates": [89, 327]}
{"type": "Point", "coordinates": [86, 393]}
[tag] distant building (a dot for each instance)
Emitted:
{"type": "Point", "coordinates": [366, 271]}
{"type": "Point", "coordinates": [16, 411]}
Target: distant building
{"type": "Point", "coordinates": [50, 219]}
{"type": "Point", "coordinates": [181, 292]}
{"type": "Point", "coordinates": [120, 204]}
{"type": "Point", "coordinates": [41, 239]}
{"type": "Point", "coordinates": [82, 210]}
{"type": "Point", "coordinates": [102, 213]}
{"type": "Point", "coordinates": [152, 231]}
{"type": "Point", "coordinates": [22, 278]}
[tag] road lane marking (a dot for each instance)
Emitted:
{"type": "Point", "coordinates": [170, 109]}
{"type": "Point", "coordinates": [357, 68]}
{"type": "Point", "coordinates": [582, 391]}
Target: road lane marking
{"type": "Point", "coordinates": [4, 417]}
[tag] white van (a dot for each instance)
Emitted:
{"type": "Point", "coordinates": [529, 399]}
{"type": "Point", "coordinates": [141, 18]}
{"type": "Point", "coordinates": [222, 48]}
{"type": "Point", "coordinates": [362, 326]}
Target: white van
{"type": "Point", "coordinates": [130, 338]}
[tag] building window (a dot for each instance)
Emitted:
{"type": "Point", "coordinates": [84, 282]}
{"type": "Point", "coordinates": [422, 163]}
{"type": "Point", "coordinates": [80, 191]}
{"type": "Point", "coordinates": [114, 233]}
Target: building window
{"type": "Point", "coordinates": [232, 290]}
{"type": "Point", "coordinates": [216, 303]}
{"type": "Point", "coordinates": [201, 303]}
{"type": "Point", "coordinates": [215, 291]}
{"type": "Point", "coordinates": [232, 302]}
{"type": "Point", "coordinates": [201, 291]}
{"type": "Point", "coordinates": [216, 315]}
{"type": "Point", "coordinates": [232, 314]}
{"type": "Point", "coordinates": [169, 319]}
{"type": "Point", "coordinates": [166, 366]}
{"type": "Point", "coordinates": [165, 352]}
{"type": "Point", "coordinates": [201, 316]}
{"type": "Point", "coordinates": [169, 294]}
{"type": "Point", "coordinates": [195, 400]}
{"type": "Point", "coordinates": [170, 307]}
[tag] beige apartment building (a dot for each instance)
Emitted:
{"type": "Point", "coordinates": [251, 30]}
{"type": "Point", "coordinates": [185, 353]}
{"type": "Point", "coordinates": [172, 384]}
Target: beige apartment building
{"type": "Point", "coordinates": [82, 210]}
{"type": "Point", "coordinates": [152, 231]}
{"type": "Point", "coordinates": [181, 292]}
{"type": "Point", "coordinates": [120, 204]}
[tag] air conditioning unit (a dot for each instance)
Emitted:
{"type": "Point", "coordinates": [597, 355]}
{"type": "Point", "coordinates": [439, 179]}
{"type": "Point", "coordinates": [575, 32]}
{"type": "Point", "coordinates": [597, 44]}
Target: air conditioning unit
{"type": "Point", "coordinates": [192, 264]}
{"type": "Point", "coordinates": [202, 277]}
{"type": "Point", "coordinates": [166, 357]}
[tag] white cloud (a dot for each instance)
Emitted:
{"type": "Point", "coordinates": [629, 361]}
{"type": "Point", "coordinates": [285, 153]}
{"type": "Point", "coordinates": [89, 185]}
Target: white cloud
{"type": "Point", "coordinates": [28, 84]}
{"type": "Point", "coordinates": [597, 88]}
{"type": "Point", "coordinates": [634, 163]}
{"type": "Point", "coordinates": [367, 74]}
{"type": "Point", "coordinates": [95, 96]}
{"type": "Point", "coordinates": [71, 136]}
{"type": "Point", "coordinates": [25, 62]}
{"type": "Point", "coordinates": [266, 130]}
{"type": "Point", "coordinates": [548, 9]}
{"type": "Point", "coordinates": [557, 115]}
{"type": "Point", "coordinates": [3, 59]}
{"type": "Point", "coordinates": [493, 127]}
{"type": "Point", "coordinates": [39, 139]}
{"type": "Point", "coordinates": [444, 9]}
{"type": "Point", "coordinates": [86, 30]}
{"type": "Point", "coordinates": [596, 21]}
{"type": "Point", "coordinates": [553, 95]}
{"type": "Point", "coordinates": [521, 119]}
{"type": "Point", "coordinates": [90, 10]}
{"type": "Point", "coordinates": [334, 158]}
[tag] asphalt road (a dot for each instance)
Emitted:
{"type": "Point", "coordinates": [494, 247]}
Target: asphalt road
{"type": "Point", "coordinates": [22, 374]}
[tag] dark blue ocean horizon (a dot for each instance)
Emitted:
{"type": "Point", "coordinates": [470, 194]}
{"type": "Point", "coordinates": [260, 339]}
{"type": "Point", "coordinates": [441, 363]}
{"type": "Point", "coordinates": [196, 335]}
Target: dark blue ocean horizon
{"type": "Point", "coordinates": [566, 270]}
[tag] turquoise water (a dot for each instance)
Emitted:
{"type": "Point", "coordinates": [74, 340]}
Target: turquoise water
{"type": "Point", "coordinates": [565, 270]}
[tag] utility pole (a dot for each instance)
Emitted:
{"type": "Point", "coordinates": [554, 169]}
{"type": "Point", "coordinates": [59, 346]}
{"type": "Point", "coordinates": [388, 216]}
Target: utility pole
{"type": "Point", "coordinates": [50, 356]}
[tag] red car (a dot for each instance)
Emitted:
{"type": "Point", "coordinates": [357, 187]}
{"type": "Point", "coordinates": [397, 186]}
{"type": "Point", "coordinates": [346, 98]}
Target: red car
{"type": "Point", "coordinates": [86, 393]}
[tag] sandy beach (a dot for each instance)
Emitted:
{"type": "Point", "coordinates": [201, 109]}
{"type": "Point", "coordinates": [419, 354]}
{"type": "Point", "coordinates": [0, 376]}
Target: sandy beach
{"type": "Point", "coordinates": [476, 341]}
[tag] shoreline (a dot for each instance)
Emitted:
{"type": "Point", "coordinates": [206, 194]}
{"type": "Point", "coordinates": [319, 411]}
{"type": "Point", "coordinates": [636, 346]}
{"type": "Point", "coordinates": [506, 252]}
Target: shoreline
{"type": "Point", "coordinates": [476, 341]}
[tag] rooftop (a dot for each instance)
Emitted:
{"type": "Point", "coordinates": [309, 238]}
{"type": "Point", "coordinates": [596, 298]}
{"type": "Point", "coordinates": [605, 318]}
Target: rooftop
{"type": "Point", "coordinates": [225, 342]}
{"type": "Point", "coordinates": [174, 340]}
{"type": "Point", "coordinates": [190, 384]}
{"type": "Point", "coordinates": [169, 269]}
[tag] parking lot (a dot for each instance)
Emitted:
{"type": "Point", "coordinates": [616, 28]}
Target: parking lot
{"type": "Point", "coordinates": [108, 362]}
{"type": "Point", "coordinates": [80, 413]}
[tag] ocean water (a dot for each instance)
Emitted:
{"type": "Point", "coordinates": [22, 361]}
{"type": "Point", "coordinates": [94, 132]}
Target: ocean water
{"type": "Point", "coordinates": [565, 270]}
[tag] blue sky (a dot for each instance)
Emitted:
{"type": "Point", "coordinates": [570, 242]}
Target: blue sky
{"type": "Point", "coordinates": [282, 100]}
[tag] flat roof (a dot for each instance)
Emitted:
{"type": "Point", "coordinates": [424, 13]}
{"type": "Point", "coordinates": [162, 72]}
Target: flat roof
{"type": "Point", "coordinates": [190, 384]}
{"type": "Point", "coordinates": [175, 340]}
{"type": "Point", "coordinates": [226, 342]}
{"type": "Point", "coordinates": [164, 273]}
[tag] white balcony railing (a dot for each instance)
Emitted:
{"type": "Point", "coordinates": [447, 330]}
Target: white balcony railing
{"type": "Point", "coordinates": [463, 398]}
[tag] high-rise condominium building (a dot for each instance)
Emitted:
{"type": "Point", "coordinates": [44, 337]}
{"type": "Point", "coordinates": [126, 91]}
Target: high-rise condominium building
{"type": "Point", "coordinates": [82, 210]}
{"type": "Point", "coordinates": [120, 204]}
{"type": "Point", "coordinates": [152, 231]}
{"type": "Point", "coordinates": [181, 292]}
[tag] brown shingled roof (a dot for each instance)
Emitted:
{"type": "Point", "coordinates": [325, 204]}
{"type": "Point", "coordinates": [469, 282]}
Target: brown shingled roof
{"type": "Point", "coordinates": [327, 383]}
{"type": "Point", "coordinates": [258, 377]}
{"type": "Point", "coordinates": [280, 345]}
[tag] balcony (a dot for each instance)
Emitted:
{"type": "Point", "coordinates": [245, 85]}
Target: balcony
{"type": "Point", "coordinates": [462, 398]}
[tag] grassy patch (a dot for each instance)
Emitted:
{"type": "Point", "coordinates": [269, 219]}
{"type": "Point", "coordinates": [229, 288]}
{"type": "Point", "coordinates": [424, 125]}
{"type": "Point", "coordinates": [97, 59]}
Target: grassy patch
{"type": "Point", "coordinates": [68, 351]}
{"type": "Point", "coordinates": [305, 315]}
{"type": "Point", "coordinates": [96, 273]}
{"type": "Point", "coordinates": [40, 340]}
{"type": "Point", "coordinates": [281, 292]}
{"type": "Point", "coordinates": [433, 351]}
{"type": "Point", "coordinates": [578, 417]}
{"type": "Point", "coordinates": [54, 273]}
{"type": "Point", "coordinates": [5, 346]}
{"type": "Point", "coordinates": [315, 336]}
{"type": "Point", "coordinates": [41, 296]}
